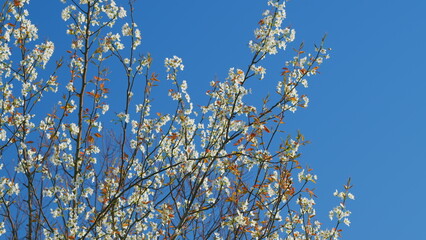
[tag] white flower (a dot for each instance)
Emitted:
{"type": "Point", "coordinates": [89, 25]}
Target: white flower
{"type": "Point", "coordinates": [74, 130]}
{"type": "Point", "coordinates": [122, 116]}
{"type": "Point", "coordinates": [55, 212]}
{"type": "Point", "coordinates": [126, 30]}
{"type": "Point", "coordinates": [173, 63]}
{"type": "Point", "coordinates": [259, 70]}
{"type": "Point", "coordinates": [2, 228]}
{"type": "Point", "coordinates": [105, 108]}
{"type": "Point", "coordinates": [122, 13]}
{"type": "Point", "coordinates": [138, 38]}
{"type": "Point", "coordinates": [70, 86]}
{"type": "Point", "coordinates": [346, 221]}
{"type": "Point", "coordinates": [240, 219]}
{"type": "Point", "coordinates": [139, 107]}
{"type": "Point", "coordinates": [244, 205]}
{"type": "Point", "coordinates": [3, 136]}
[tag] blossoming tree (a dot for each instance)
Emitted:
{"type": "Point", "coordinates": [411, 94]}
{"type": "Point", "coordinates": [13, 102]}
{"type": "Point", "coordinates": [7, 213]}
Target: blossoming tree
{"type": "Point", "coordinates": [218, 171]}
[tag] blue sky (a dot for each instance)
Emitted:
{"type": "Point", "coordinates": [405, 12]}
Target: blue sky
{"type": "Point", "coordinates": [367, 114]}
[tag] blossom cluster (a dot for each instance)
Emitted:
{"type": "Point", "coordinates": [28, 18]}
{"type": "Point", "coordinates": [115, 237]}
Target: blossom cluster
{"type": "Point", "coordinates": [86, 166]}
{"type": "Point", "coordinates": [270, 36]}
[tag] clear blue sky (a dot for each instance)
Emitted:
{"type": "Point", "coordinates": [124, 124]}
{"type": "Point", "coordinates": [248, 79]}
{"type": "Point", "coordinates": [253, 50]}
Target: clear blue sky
{"type": "Point", "coordinates": [367, 114]}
